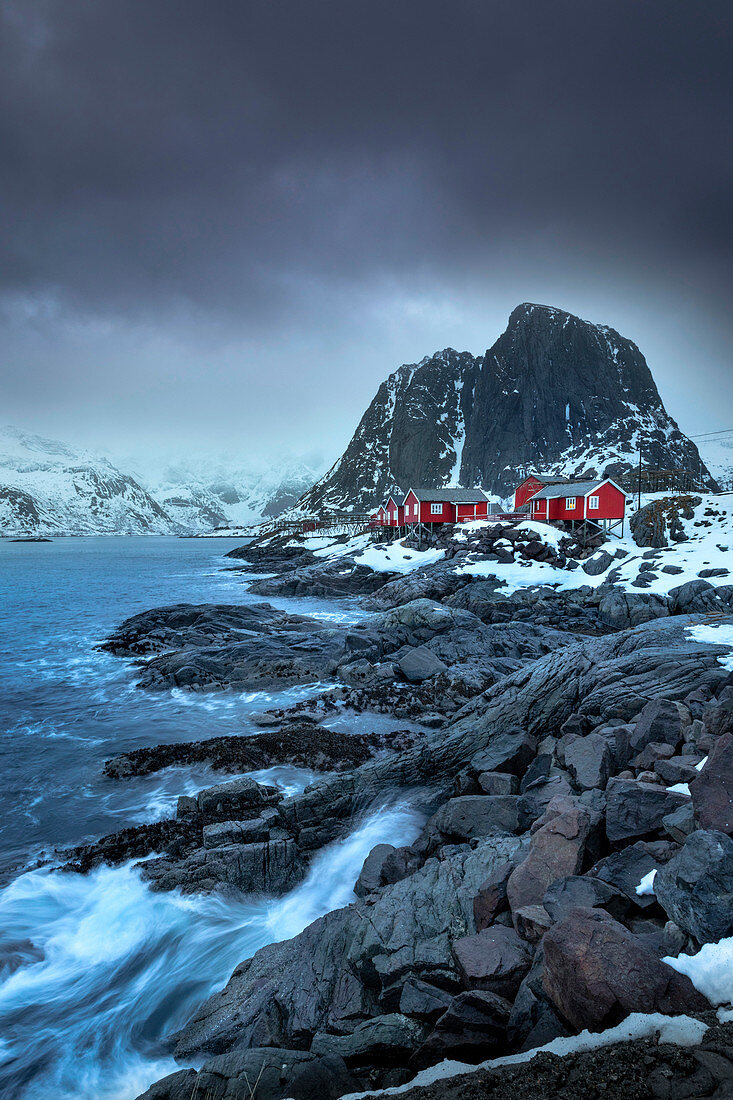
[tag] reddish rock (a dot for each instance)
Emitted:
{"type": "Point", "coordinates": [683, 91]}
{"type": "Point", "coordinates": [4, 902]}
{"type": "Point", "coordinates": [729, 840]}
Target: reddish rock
{"type": "Point", "coordinates": [491, 898]}
{"type": "Point", "coordinates": [596, 973]}
{"type": "Point", "coordinates": [532, 921]}
{"type": "Point", "coordinates": [712, 789]}
{"type": "Point", "coordinates": [556, 851]}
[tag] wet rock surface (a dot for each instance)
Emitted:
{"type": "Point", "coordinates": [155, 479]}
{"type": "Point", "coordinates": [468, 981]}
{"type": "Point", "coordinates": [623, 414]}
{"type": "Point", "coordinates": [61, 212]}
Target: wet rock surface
{"type": "Point", "coordinates": [553, 726]}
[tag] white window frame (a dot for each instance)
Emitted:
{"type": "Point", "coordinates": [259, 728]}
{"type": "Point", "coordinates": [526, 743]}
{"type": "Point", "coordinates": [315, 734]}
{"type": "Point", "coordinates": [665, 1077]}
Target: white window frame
{"type": "Point", "coordinates": [394, 516]}
{"type": "Point", "coordinates": [536, 504]}
{"type": "Point", "coordinates": [436, 509]}
{"type": "Point", "coordinates": [594, 504]}
{"type": "Point", "coordinates": [571, 503]}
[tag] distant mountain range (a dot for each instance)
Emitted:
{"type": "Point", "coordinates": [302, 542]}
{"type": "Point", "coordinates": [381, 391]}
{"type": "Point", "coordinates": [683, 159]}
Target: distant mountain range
{"type": "Point", "coordinates": [50, 488]}
{"type": "Point", "coordinates": [554, 394]}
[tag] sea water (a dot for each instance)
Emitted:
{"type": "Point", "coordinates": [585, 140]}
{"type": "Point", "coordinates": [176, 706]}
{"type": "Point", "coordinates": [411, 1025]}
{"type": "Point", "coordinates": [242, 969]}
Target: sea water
{"type": "Point", "coordinates": [96, 971]}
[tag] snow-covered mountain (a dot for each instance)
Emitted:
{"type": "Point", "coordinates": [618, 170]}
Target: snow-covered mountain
{"type": "Point", "coordinates": [50, 488]}
{"type": "Point", "coordinates": [554, 393]}
{"type": "Point", "coordinates": [201, 494]}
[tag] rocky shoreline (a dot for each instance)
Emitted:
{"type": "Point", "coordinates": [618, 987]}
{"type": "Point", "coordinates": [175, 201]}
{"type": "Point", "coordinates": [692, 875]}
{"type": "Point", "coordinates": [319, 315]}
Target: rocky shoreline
{"type": "Point", "coordinates": [562, 744]}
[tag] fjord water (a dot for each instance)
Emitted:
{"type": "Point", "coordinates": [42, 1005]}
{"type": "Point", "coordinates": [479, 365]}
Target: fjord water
{"type": "Point", "coordinates": [96, 970]}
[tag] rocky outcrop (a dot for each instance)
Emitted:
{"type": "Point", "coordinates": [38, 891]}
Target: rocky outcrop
{"type": "Point", "coordinates": [554, 393]}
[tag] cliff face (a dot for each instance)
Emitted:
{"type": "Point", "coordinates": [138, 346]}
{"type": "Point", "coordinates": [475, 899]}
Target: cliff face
{"type": "Point", "coordinates": [412, 433]}
{"type": "Point", "coordinates": [555, 394]}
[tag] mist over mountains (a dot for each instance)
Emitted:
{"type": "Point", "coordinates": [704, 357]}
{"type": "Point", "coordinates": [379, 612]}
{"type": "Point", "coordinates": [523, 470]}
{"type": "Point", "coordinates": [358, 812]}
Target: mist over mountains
{"type": "Point", "coordinates": [48, 487]}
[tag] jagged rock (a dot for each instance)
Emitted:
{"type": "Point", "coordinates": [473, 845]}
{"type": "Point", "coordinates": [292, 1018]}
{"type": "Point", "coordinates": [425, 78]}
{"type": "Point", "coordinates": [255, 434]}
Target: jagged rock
{"type": "Point", "coordinates": [473, 1027]}
{"type": "Point", "coordinates": [532, 921]}
{"type": "Point", "coordinates": [271, 867]}
{"type": "Point", "coordinates": [235, 832]}
{"type": "Point", "coordinates": [660, 720]}
{"type": "Point", "coordinates": [370, 877]}
{"type": "Point", "coordinates": [229, 801]}
{"type": "Point", "coordinates": [269, 1073]}
{"type": "Point", "coordinates": [680, 823]}
{"type": "Point", "coordinates": [498, 783]}
{"type": "Point", "coordinates": [491, 898]}
{"type": "Point", "coordinates": [675, 770]}
{"type": "Point", "coordinates": [599, 563]}
{"type": "Point", "coordinates": [556, 850]}
{"type": "Point", "coordinates": [423, 1000]}
{"type": "Point", "coordinates": [388, 1038]}
{"type": "Point", "coordinates": [474, 816]}
{"type": "Point", "coordinates": [695, 888]}
{"type": "Point", "coordinates": [352, 963]}
{"type": "Point", "coordinates": [511, 750]}
{"type": "Point", "coordinates": [624, 871]}
{"type": "Point", "coordinates": [700, 596]}
{"type": "Point", "coordinates": [621, 610]}
{"type": "Point", "coordinates": [589, 761]}
{"type": "Point", "coordinates": [596, 972]}
{"type": "Point", "coordinates": [419, 664]}
{"type": "Point", "coordinates": [712, 788]}
{"type": "Point", "coordinates": [718, 720]}
{"type": "Point", "coordinates": [585, 892]}
{"type": "Point", "coordinates": [494, 960]}
{"type": "Point", "coordinates": [195, 626]}
{"type": "Point", "coordinates": [637, 809]}
{"type": "Point", "coordinates": [340, 577]}
{"type": "Point", "coordinates": [534, 1020]}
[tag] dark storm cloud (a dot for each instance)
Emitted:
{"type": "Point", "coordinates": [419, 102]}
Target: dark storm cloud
{"type": "Point", "coordinates": [236, 168]}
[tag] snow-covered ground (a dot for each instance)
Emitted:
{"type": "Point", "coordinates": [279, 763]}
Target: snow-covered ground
{"type": "Point", "coordinates": [680, 1030]}
{"type": "Point", "coordinates": [709, 545]}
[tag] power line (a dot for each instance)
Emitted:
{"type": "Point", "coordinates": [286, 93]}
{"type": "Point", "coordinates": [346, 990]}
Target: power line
{"type": "Point", "coordinates": [709, 435]}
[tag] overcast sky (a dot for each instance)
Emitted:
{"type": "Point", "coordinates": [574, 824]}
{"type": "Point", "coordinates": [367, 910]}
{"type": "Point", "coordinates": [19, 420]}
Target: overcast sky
{"type": "Point", "coordinates": [224, 223]}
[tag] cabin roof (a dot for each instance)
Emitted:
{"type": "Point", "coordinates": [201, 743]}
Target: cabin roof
{"type": "Point", "coordinates": [568, 488]}
{"type": "Point", "coordinates": [450, 496]}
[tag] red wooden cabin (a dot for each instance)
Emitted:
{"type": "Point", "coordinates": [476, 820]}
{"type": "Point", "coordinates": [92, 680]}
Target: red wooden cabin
{"type": "Point", "coordinates": [535, 483]}
{"type": "Point", "coordinates": [602, 502]}
{"type": "Point", "coordinates": [395, 513]}
{"type": "Point", "coordinates": [444, 506]}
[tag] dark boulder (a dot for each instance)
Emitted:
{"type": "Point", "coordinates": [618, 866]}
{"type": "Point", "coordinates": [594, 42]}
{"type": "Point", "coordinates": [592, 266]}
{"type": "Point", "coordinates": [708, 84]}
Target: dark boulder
{"type": "Point", "coordinates": [695, 888]}
{"type": "Point", "coordinates": [624, 871]}
{"type": "Point", "coordinates": [473, 816]}
{"type": "Point", "coordinates": [494, 960]}
{"type": "Point", "coordinates": [712, 788]}
{"type": "Point", "coordinates": [510, 751]}
{"type": "Point", "coordinates": [585, 892]}
{"type": "Point", "coordinates": [635, 810]}
{"type": "Point", "coordinates": [371, 875]}
{"type": "Point", "coordinates": [659, 721]}
{"type": "Point", "coordinates": [382, 1039]}
{"type": "Point", "coordinates": [472, 1028]}
{"type": "Point", "coordinates": [589, 761]}
{"type": "Point", "coordinates": [420, 663]}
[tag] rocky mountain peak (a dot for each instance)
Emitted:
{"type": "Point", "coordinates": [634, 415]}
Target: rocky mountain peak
{"type": "Point", "coordinates": [554, 393]}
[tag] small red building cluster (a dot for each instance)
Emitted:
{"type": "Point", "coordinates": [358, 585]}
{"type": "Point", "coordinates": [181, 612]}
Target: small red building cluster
{"type": "Point", "coordinates": [539, 497]}
{"type": "Point", "coordinates": [572, 500]}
